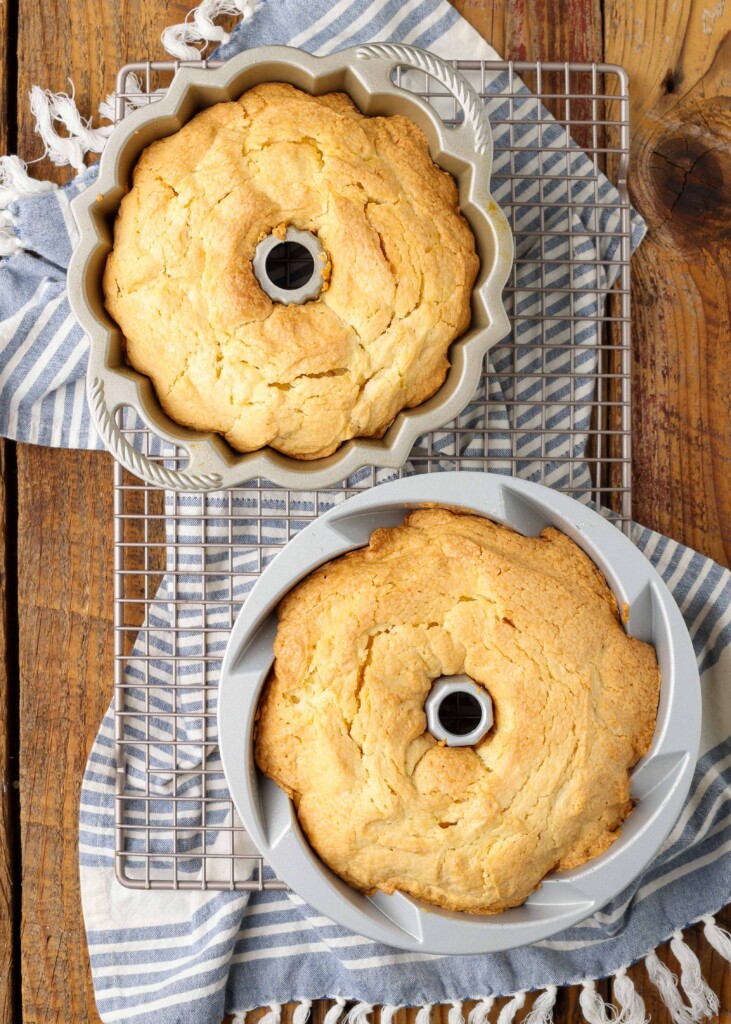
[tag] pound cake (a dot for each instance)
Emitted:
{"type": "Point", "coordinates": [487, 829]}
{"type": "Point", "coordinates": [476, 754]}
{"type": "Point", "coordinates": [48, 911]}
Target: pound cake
{"type": "Point", "coordinates": [342, 727]}
{"type": "Point", "coordinates": [400, 264]}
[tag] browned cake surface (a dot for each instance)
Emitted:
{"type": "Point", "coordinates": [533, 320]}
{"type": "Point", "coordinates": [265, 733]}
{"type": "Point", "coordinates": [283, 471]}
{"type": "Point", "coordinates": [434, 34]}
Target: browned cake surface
{"type": "Point", "coordinates": [343, 731]}
{"type": "Point", "coordinates": [221, 354]}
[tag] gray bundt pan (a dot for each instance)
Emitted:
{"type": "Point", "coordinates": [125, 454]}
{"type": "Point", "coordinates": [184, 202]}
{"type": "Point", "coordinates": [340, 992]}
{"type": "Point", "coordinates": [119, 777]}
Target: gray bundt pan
{"type": "Point", "coordinates": [660, 782]}
{"type": "Point", "coordinates": [365, 74]}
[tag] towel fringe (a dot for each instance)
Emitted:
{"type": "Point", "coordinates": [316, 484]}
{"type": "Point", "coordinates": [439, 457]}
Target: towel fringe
{"type": "Point", "coordinates": [199, 28]}
{"type": "Point", "coordinates": [424, 1014]}
{"type": "Point", "coordinates": [360, 1014]}
{"type": "Point", "coordinates": [479, 1014]}
{"type": "Point", "coordinates": [595, 1010]}
{"type": "Point", "coordinates": [335, 1012]}
{"type": "Point", "coordinates": [273, 1014]}
{"type": "Point", "coordinates": [455, 1015]}
{"type": "Point", "coordinates": [50, 109]}
{"type": "Point", "coordinates": [15, 183]}
{"type": "Point", "coordinates": [717, 937]}
{"type": "Point", "coordinates": [302, 1011]}
{"type": "Point", "coordinates": [508, 1012]}
{"type": "Point", "coordinates": [631, 1005]}
{"type": "Point", "coordinates": [542, 1010]}
{"type": "Point", "coordinates": [667, 985]}
{"type": "Point", "coordinates": [703, 1000]}
{"type": "Point", "coordinates": [702, 1003]}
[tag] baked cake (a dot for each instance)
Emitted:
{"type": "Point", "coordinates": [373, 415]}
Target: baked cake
{"type": "Point", "coordinates": [342, 727]}
{"type": "Point", "coordinates": [304, 378]}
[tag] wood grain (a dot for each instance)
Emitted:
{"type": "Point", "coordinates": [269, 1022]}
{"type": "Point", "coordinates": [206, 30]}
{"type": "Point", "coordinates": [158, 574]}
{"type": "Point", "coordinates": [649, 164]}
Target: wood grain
{"type": "Point", "coordinates": [678, 54]}
{"type": "Point", "coordinates": [681, 305]}
{"type": "Point", "coordinates": [8, 766]}
{"type": "Point", "coordinates": [65, 558]}
{"type": "Point", "coordinates": [65, 602]}
{"type": "Point", "coordinates": [8, 712]}
{"type": "Point", "coordinates": [538, 29]}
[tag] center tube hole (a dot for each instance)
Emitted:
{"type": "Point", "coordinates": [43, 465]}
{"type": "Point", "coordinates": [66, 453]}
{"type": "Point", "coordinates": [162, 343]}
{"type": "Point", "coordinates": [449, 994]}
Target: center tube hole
{"type": "Point", "coordinates": [289, 266]}
{"type": "Point", "coordinates": [459, 713]}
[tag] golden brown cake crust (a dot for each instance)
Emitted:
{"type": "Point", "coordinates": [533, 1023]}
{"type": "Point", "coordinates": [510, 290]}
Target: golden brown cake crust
{"type": "Point", "coordinates": [302, 379]}
{"type": "Point", "coordinates": [343, 731]}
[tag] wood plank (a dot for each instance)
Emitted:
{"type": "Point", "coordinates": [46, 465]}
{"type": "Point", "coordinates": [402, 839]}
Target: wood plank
{"type": "Point", "coordinates": [65, 601]}
{"type": "Point", "coordinates": [65, 557]}
{"type": "Point", "coordinates": [9, 895]}
{"type": "Point", "coordinates": [538, 29]}
{"type": "Point", "coordinates": [680, 181]}
{"type": "Point", "coordinates": [680, 82]}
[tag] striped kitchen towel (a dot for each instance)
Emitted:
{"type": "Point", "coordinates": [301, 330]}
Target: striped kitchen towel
{"type": "Point", "coordinates": [190, 956]}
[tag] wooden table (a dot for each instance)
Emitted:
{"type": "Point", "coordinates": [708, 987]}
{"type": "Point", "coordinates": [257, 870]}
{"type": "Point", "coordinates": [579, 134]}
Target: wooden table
{"type": "Point", "coordinates": [56, 563]}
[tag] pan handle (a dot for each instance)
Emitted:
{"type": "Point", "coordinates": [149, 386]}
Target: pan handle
{"type": "Point", "coordinates": [475, 117]}
{"type": "Point", "coordinates": [146, 469]}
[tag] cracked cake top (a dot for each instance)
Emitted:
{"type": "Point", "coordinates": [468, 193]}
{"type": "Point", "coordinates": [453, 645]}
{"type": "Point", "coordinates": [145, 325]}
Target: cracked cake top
{"type": "Point", "coordinates": [342, 727]}
{"type": "Point", "coordinates": [300, 378]}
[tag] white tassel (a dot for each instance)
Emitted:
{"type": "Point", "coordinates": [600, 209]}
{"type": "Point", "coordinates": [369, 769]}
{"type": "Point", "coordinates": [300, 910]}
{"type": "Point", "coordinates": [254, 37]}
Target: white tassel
{"type": "Point", "coordinates": [388, 1012]}
{"type": "Point", "coordinates": [542, 1010]}
{"type": "Point", "coordinates": [508, 1012]}
{"type": "Point", "coordinates": [15, 183]}
{"type": "Point", "coordinates": [273, 1014]}
{"type": "Point", "coordinates": [479, 1013]}
{"type": "Point", "coordinates": [703, 1000]}
{"type": "Point", "coordinates": [631, 1005]}
{"type": "Point", "coordinates": [108, 107]}
{"type": "Point", "coordinates": [667, 985]}
{"type": "Point", "coordinates": [717, 937]}
{"type": "Point", "coordinates": [455, 1015]}
{"type": "Point", "coordinates": [335, 1012]}
{"type": "Point", "coordinates": [595, 1010]}
{"type": "Point", "coordinates": [359, 1014]}
{"type": "Point", "coordinates": [302, 1011]}
{"type": "Point", "coordinates": [424, 1014]}
{"type": "Point", "coordinates": [50, 108]}
{"type": "Point", "coordinates": [199, 27]}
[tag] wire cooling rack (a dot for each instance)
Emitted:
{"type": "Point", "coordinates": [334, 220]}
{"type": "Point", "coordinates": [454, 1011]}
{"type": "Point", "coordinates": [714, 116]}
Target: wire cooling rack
{"type": "Point", "coordinates": [184, 563]}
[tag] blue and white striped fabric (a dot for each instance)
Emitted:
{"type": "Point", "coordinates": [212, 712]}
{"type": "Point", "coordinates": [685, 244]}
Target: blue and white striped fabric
{"type": "Point", "coordinates": [190, 956]}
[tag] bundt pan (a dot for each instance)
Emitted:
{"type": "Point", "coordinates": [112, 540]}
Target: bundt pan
{"type": "Point", "coordinates": [660, 781]}
{"type": "Point", "coordinates": [365, 73]}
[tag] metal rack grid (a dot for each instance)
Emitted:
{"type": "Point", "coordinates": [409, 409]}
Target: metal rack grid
{"type": "Point", "coordinates": [175, 826]}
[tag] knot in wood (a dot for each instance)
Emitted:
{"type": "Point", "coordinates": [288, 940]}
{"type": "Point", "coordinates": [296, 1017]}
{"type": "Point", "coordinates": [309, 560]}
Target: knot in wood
{"type": "Point", "coordinates": [683, 184]}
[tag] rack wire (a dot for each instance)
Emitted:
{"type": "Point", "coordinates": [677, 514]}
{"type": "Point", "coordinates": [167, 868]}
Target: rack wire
{"type": "Point", "coordinates": [561, 384]}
